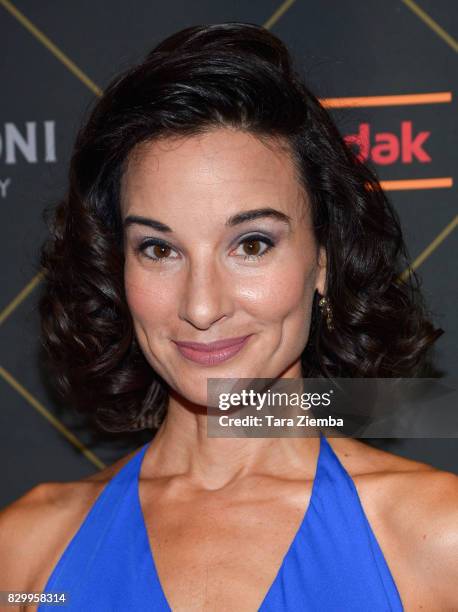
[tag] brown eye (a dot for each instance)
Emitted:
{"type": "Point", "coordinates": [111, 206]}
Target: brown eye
{"type": "Point", "coordinates": [160, 251]}
{"type": "Point", "coordinates": [252, 247]}
{"type": "Point", "coordinates": [156, 251]}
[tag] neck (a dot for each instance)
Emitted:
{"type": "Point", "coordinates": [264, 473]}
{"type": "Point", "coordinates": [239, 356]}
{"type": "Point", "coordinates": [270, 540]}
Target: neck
{"type": "Point", "coordinates": [182, 447]}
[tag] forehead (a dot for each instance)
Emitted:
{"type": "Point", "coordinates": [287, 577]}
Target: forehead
{"type": "Point", "coordinates": [223, 167]}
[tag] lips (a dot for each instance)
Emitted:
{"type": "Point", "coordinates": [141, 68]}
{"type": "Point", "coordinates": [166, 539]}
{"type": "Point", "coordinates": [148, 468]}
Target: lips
{"type": "Point", "coordinates": [212, 353]}
{"type": "Point", "coordinates": [212, 346]}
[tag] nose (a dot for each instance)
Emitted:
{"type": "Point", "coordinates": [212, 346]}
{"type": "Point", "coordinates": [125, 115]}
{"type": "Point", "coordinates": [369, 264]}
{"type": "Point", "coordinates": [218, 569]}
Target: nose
{"type": "Point", "coordinates": [206, 295]}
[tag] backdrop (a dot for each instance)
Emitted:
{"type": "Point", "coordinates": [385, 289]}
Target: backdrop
{"type": "Point", "coordinates": [387, 71]}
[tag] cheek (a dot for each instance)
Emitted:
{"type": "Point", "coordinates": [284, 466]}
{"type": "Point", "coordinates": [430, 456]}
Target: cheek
{"type": "Point", "coordinates": [149, 296]}
{"type": "Point", "coordinates": [283, 291]}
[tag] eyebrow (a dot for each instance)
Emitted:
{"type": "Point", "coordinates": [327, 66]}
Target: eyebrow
{"type": "Point", "coordinates": [243, 217]}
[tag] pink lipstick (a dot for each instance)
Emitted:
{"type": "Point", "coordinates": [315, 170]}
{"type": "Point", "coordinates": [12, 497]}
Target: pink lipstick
{"type": "Point", "coordinates": [213, 352]}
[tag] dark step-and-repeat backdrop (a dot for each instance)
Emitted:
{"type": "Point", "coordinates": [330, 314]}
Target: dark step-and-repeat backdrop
{"type": "Point", "coordinates": [387, 70]}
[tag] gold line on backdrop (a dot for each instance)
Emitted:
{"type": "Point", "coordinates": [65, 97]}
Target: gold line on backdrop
{"type": "Point", "coordinates": [50, 417]}
{"type": "Point", "coordinates": [430, 248]}
{"type": "Point", "coordinates": [51, 47]}
{"type": "Point", "coordinates": [21, 296]}
{"type": "Point", "coordinates": [361, 101]}
{"type": "Point", "coordinates": [278, 13]}
{"type": "Point", "coordinates": [432, 25]}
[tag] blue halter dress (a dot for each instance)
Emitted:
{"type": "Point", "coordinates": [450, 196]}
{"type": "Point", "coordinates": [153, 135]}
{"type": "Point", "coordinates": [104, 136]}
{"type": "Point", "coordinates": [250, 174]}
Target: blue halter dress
{"type": "Point", "coordinates": [334, 563]}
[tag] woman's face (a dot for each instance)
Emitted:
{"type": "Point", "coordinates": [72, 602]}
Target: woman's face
{"type": "Point", "coordinates": [195, 271]}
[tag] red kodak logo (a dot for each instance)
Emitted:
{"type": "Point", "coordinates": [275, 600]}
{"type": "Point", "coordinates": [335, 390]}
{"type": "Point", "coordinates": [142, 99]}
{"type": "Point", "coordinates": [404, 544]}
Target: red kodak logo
{"type": "Point", "coordinates": [388, 148]}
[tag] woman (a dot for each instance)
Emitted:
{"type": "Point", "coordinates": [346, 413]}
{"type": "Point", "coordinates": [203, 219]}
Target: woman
{"type": "Point", "coordinates": [212, 199]}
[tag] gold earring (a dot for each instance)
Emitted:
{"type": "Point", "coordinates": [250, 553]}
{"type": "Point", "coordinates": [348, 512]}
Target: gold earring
{"type": "Point", "coordinates": [327, 310]}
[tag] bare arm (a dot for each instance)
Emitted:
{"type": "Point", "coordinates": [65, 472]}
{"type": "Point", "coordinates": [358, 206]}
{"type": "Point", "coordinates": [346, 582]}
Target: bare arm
{"type": "Point", "coordinates": [421, 532]}
{"type": "Point", "coordinates": [21, 529]}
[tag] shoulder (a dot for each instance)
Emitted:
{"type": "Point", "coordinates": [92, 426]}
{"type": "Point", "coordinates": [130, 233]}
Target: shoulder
{"type": "Point", "coordinates": [413, 509]}
{"type": "Point", "coordinates": [55, 509]}
{"type": "Point", "coordinates": [423, 520]}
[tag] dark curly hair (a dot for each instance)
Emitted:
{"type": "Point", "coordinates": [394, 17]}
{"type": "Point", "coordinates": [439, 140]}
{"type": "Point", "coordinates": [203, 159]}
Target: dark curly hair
{"type": "Point", "coordinates": [235, 75]}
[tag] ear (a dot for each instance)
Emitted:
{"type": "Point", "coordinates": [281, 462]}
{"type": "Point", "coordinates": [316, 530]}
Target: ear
{"type": "Point", "coordinates": [320, 283]}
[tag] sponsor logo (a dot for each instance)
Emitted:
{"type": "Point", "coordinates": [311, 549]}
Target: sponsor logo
{"type": "Point", "coordinates": [31, 142]}
{"type": "Point", "coordinates": [385, 148]}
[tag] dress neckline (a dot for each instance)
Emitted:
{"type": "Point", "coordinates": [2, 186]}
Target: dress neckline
{"type": "Point", "coordinates": [289, 551]}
